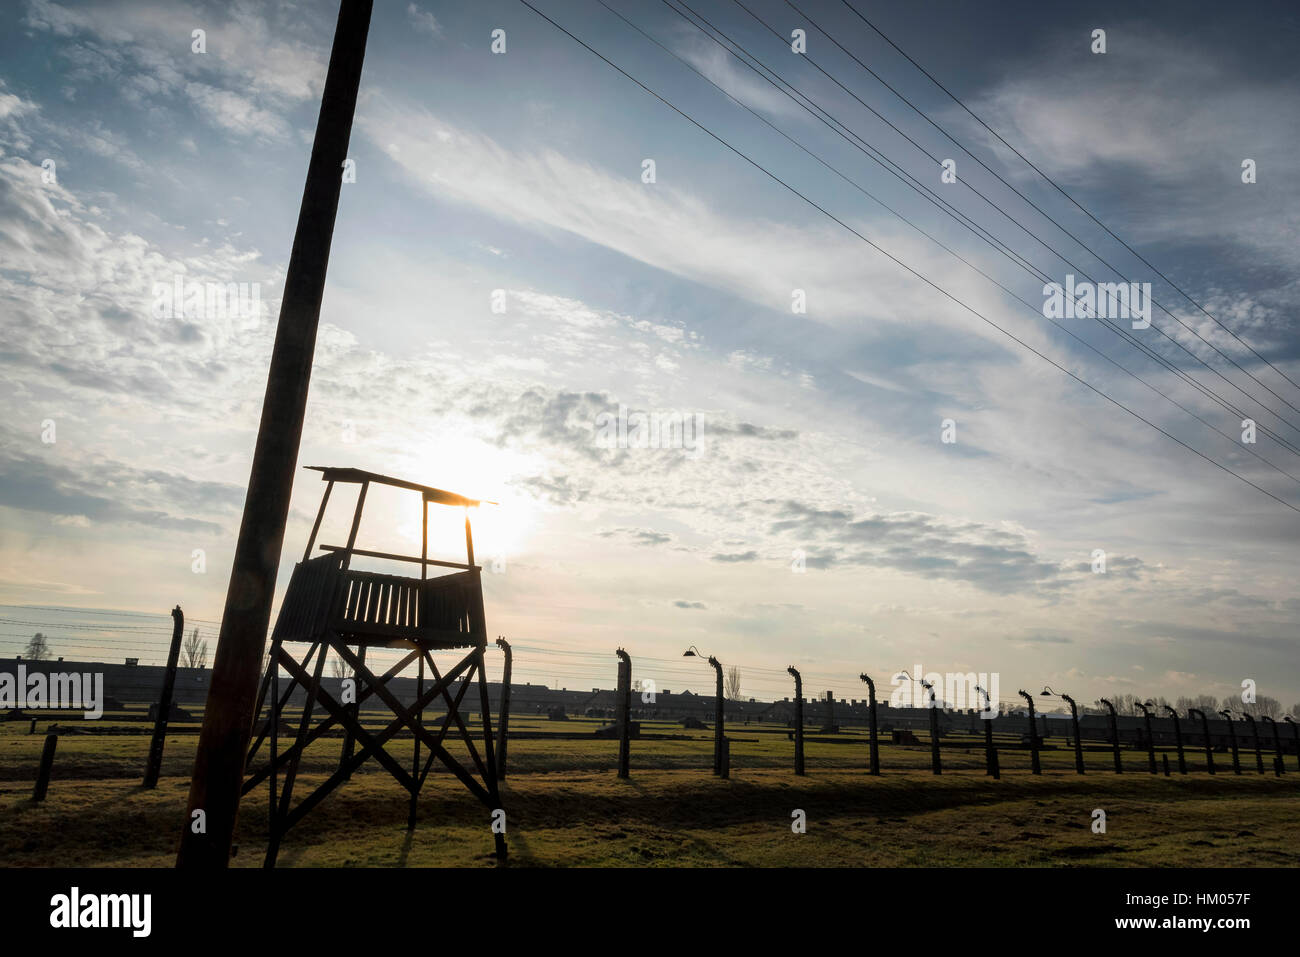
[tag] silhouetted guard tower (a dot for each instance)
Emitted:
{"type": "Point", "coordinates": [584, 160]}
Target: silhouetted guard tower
{"type": "Point", "coordinates": [331, 606]}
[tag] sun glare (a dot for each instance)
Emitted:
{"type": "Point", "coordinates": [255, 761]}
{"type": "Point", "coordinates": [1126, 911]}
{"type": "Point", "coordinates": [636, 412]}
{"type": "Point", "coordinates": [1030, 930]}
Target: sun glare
{"type": "Point", "coordinates": [476, 470]}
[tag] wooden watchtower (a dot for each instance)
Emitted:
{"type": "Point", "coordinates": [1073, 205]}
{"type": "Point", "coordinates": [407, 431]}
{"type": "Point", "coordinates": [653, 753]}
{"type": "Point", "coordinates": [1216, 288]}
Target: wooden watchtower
{"type": "Point", "coordinates": [329, 606]}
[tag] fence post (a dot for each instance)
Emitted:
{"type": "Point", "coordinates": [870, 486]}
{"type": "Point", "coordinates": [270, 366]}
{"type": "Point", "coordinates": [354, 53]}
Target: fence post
{"type": "Point", "coordinates": [726, 757]}
{"type": "Point", "coordinates": [31, 729]}
{"type": "Point", "coordinates": [1205, 732]}
{"type": "Point", "coordinates": [1165, 759]}
{"type": "Point", "coordinates": [798, 720]}
{"type": "Point", "coordinates": [1178, 740]}
{"type": "Point", "coordinates": [154, 765]}
{"type": "Point", "coordinates": [503, 727]}
{"type": "Point", "coordinates": [1078, 738]}
{"type": "Point", "coordinates": [1232, 736]}
{"type": "Point", "coordinates": [1033, 736]}
{"type": "Point", "coordinates": [47, 764]}
{"type": "Point", "coordinates": [936, 764]}
{"type": "Point", "coordinates": [1114, 736]}
{"type": "Point", "coordinates": [875, 745]}
{"type": "Point", "coordinates": [1254, 733]}
{"type": "Point", "coordinates": [1151, 740]}
{"type": "Point", "coordinates": [624, 713]}
{"type": "Point", "coordinates": [1277, 747]}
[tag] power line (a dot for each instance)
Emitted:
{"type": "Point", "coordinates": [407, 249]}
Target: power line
{"type": "Point", "coordinates": [1034, 235]}
{"type": "Point", "coordinates": [1035, 206]}
{"type": "Point", "coordinates": [968, 263]}
{"type": "Point", "coordinates": [835, 125]}
{"type": "Point", "coordinates": [904, 265]}
{"type": "Point", "coordinates": [1058, 188]}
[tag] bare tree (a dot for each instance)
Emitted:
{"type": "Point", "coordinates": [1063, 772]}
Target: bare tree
{"type": "Point", "coordinates": [38, 649]}
{"type": "Point", "coordinates": [1123, 704]}
{"type": "Point", "coordinates": [732, 687]}
{"type": "Point", "coordinates": [196, 651]}
{"type": "Point", "coordinates": [1261, 707]}
{"type": "Point", "coordinates": [1265, 707]}
{"type": "Point", "coordinates": [1202, 702]}
{"type": "Point", "coordinates": [339, 667]}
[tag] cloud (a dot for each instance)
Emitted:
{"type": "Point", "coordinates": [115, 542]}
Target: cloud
{"type": "Point", "coordinates": [422, 20]}
{"type": "Point", "coordinates": [637, 536]}
{"type": "Point", "coordinates": [111, 492]}
{"type": "Point", "coordinates": [740, 82]}
{"type": "Point", "coordinates": [76, 305]}
{"type": "Point", "coordinates": [1152, 137]}
{"type": "Point", "coordinates": [235, 113]}
{"type": "Point", "coordinates": [993, 559]}
{"type": "Point", "coordinates": [749, 556]}
{"type": "Point", "coordinates": [259, 62]}
{"type": "Point", "coordinates": [12, 105]}
{"type": "Point", "coordinates": [693, 605]}
{"type": "Point", "coordinates": [758, 260]}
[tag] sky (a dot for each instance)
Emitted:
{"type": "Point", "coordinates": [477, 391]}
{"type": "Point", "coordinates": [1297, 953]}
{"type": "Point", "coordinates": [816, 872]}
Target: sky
{"type": "Point", "coordinates": [506, 275]}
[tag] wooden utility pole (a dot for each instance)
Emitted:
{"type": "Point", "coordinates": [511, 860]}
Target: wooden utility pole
{"type": "Point", "coordinates": [228, 715]}
{"type": "Point", "coordinates": [165, 702]}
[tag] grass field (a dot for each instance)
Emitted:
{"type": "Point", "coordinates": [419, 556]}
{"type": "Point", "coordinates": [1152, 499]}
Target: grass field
{"type": "Point", "coordinates": [566, 807]}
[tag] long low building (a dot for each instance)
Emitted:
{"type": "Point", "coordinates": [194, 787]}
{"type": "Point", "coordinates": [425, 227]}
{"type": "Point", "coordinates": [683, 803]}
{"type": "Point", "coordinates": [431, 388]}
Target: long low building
{"type": "Point", "coordinates": [137, 686]}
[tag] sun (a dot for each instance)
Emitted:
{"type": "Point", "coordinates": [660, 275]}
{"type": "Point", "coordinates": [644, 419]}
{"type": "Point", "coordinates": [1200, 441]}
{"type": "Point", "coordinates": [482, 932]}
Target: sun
{"type": "Point", "coordinates": [473, 468]}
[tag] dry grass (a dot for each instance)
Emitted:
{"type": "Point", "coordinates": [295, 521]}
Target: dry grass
{"type": "Point", "coordinates": [567, 808]}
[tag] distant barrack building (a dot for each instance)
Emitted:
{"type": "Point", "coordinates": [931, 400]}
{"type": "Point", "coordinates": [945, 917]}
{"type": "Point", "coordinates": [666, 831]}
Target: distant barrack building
{"type": "Point", "coordinates": [136, 687]}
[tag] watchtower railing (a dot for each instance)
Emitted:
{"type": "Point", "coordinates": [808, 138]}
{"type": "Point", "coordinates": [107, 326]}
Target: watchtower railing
{"type": "Point", "coordinates": [377, 608]}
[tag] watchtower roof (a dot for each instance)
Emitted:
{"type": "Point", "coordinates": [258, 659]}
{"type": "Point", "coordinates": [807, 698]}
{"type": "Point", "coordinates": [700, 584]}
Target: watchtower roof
{"type": "Point", "coordinates": [430, 494]}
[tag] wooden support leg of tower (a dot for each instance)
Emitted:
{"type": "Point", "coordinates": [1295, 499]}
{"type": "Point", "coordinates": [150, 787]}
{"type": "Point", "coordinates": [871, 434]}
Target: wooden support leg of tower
{"type": "Point", "coordinates": [266, 678]}
{"type": "Point", "coordinates": [474, 660]}
{"type": "Point", "coordinates": [281, 700]}
{"type": "Point", "coordinates": [490, 751]}
{"type": "Point", "coordinates": [256, 777]}
{"type": "Point", "coordinates": [345, 715]}
{"type": "Point", "coordinates": [446, 724]}
{"type": "Point", "coordinates": [347, 736]}
{"type": "Point", "coordinates": [291, 772]}
{"type": "Point", "coordinates": [415, 758]}
{"type": "Point", "coordinates": [274, 722]}
{"type": "Point", "coordinates": [285, 816]}
{"type": "Point", "coordinates": [454, 712]}
{"type": "Point", "coordinates": [373, 745]}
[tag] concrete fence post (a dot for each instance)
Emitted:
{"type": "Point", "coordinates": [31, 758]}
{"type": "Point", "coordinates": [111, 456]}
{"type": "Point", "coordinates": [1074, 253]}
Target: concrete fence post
{"type": "Point", "coordinates": [154, 765]}
{"type": "Point", "coordinates": [47, 764]}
